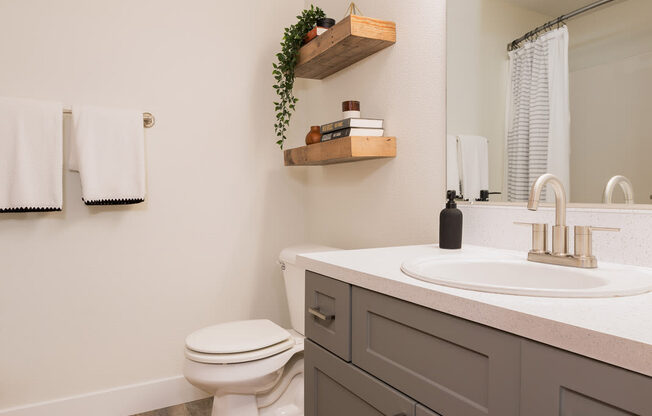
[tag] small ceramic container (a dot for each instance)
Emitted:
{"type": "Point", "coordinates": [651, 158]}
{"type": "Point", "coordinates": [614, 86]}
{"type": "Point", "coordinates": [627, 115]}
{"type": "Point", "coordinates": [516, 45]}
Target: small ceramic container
{"type": "Point", "coordinates": [314, 135]}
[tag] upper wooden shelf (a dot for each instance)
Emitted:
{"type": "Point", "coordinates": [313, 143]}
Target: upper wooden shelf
{"type": "Point", "coordinates": [345, 149]}
{"type": "Point", "coordinates": [346, 43]}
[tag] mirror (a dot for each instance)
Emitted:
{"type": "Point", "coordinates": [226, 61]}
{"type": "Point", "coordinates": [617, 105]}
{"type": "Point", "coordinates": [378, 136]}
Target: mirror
{"type": "Point", "coordinates": [574, 100]}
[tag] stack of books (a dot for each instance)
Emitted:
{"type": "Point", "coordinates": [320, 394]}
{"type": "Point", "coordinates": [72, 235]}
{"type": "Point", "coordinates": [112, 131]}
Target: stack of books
{"type": "Point", "coordinates": [352, 127]}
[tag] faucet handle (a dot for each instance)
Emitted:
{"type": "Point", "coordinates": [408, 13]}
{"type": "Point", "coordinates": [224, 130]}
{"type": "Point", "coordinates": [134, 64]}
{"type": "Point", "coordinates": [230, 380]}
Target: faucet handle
{"type": "Point", "coordinates": [535, 225]}
{"type": "Point", "coordinates": [615, 229]}
{"type": "Point", "coordinates": [584, 239]}
{"type": "Point", "coordinates": [539, 236]}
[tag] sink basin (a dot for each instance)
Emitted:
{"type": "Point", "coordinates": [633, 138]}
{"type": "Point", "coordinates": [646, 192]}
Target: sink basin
{"type": "Point", "coordinates": [509, 274]}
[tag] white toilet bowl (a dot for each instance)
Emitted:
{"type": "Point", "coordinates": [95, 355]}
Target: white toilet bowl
{"type": "Point", "coordinates": [243, 382]}
{"type": "Point", "coordinates": [254, 368]}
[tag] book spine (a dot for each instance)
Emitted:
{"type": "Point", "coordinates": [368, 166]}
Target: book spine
{"type": "Point", "coordinates": [337, 125]}
{"type": "Point", "coordinates": [340, 133]}
{"type": "Point", "coordinates": [335, 134]}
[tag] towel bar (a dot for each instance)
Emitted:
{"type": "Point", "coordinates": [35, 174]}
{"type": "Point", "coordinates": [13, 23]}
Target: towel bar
{"type": "Point", "coordinates": [148, 118]}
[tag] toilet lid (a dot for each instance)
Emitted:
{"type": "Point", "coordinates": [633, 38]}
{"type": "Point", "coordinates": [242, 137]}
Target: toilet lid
{"type": "Point", "coordinates": [237, 337]}
{"type": "Point", "coordinates": [240, 357]}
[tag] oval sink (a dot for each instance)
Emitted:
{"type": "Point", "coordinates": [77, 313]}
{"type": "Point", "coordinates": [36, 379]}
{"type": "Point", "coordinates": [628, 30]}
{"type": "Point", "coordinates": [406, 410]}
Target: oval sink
{"type": "Point", "coordinates": [516, 276]}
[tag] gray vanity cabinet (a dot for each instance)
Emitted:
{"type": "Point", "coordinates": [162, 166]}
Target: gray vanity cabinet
{"type": "Point", "coordinates": [423, 411]}
{"type": "Point", "coordinates": [451, 365]}
{"type": "Point", "coordinates": [337, 388]}
{"type": "Point", "coordinates": [556, 382]}
{"type": "Point", "coordinates": [372, 354]}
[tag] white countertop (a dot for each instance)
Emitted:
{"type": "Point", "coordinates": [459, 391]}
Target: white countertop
{"type": "Point", "coordinates": [614, 330]}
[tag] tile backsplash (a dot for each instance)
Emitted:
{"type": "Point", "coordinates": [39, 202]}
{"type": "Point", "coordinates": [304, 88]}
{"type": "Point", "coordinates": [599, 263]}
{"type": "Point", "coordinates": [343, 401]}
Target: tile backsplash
{"type": "Point", "coordinates": [493, 226]}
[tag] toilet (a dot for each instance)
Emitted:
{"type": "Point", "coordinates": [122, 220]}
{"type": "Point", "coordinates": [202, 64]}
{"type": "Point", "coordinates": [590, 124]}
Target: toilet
{"type": "Point", "coordinates": [254, 367]}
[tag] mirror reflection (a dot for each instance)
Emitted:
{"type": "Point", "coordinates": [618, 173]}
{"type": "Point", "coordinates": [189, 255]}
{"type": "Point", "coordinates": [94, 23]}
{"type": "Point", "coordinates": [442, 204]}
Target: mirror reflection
{"type": "Point", "coordinates": [554, 86]}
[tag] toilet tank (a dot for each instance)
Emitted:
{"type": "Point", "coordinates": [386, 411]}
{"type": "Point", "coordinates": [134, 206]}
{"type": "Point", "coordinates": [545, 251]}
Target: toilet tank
{"type": "Point", "coordinates": [295, 281]}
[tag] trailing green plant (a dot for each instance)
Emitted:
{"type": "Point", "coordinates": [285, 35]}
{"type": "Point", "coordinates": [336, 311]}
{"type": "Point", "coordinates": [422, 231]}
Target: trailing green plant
{"type": "Point", "coordinates": [284, 69]}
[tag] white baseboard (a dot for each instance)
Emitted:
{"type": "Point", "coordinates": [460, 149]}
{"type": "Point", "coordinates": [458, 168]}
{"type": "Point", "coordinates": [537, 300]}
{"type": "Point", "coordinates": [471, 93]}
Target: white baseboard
{"type": "Point", "coordinates": [120, 401]}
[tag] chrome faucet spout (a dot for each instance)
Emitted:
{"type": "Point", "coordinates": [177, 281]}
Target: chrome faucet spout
{"type": "Point", "coordinates": [560, 196]}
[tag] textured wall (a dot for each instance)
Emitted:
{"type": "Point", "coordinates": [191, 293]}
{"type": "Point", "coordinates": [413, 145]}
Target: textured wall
{"type": "Point", "coordinates": [493, 226]}
{"type": "Point", "coordinates": [383, 202]}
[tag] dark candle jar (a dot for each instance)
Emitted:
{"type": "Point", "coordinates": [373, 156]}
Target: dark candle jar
{"type": "Point", "coordinates": [325, 22]}
{"type": "Point", "coordinates": [351, 109]}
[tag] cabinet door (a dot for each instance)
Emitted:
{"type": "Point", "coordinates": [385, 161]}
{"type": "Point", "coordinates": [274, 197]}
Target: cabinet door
{"type": "Point", "coordinates": [453, 366]}
{"type": "Point", "coordinates": [336, 388]}
{"type": "Point", "coordinates": [328, 314]}
{"type": "Point", "coordinates": [557, 382]}
{"type": "Point", "coordinates": [424, 411]}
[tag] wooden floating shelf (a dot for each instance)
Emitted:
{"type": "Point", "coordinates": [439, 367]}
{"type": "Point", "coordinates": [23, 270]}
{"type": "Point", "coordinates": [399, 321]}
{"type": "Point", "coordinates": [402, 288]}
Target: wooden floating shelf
{"type": "Point", "coordinates": [346, 43]}
{"type": "Point", "coordinates": [345, 149]}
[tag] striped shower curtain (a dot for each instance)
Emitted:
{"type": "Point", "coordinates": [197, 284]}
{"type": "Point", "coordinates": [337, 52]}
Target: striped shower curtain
{"type": "Point", "coordinates": [538, 113]}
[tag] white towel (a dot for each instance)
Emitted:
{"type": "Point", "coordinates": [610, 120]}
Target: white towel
{"type": "Point", "coordinates": [474, 156]}
{"type": "Point", "coordinates": [452, 166]}
{"type": "Point", "coordinates": [108, 151]}
{"type": "Point", "coordinates": [31, 137]}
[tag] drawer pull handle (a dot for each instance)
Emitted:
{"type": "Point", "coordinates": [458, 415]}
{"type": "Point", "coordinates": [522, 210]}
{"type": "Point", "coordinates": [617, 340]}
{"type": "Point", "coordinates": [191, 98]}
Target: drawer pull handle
{"type": "Point", "coordinates": [317, 314]}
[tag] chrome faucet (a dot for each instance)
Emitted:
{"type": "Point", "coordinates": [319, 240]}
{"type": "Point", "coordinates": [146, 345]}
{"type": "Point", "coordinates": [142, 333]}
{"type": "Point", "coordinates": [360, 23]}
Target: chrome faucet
{"type": "Point", "coordinates": [626, 186]}
{"type": "Point", "coordinates": [583, 255]}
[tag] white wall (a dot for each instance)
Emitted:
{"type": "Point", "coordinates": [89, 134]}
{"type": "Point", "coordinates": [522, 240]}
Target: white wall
{"type": "Point", "coordinates": [610, 57]}
{"type": "Point", "coordinates": [382, 202]}
{"type": "Point", "coordinates": [93, 298]}
{"type": "Point", "coordinates": [478, 33]}
{"type": "Point", "coordinates": [96, 298]}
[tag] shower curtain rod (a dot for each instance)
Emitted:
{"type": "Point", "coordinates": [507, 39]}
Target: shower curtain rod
{"type": "Point", "coordinates": [515, 44]}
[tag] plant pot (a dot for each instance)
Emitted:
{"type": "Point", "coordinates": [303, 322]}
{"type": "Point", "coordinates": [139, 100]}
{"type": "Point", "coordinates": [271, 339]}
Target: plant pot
{"type": "Point", "coordinates": [314, 135]}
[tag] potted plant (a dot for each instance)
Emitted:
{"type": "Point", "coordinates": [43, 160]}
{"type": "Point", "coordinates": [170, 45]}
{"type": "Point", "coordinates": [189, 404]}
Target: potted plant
{"type": "Point", "coordinates": [284, 68]}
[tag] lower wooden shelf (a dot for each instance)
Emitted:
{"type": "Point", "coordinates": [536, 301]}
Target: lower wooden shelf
{"type": "Point", "coordinates": [345, 149]}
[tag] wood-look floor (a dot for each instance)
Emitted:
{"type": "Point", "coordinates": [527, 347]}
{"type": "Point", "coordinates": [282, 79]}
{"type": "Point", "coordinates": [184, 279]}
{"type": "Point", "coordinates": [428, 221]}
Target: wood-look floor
{"type": "Point", "coordinates": [201, 407]}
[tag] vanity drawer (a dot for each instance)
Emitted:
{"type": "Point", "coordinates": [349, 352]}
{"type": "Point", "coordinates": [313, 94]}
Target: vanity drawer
{"type": "Point", "coordinates": [453, 366]}
{"type": "Point", "coordinates": [557, 382]}
{"type": "Point", "coordinates": [328, 314]}
{"type": "Point", "coordinates": [336, 388]}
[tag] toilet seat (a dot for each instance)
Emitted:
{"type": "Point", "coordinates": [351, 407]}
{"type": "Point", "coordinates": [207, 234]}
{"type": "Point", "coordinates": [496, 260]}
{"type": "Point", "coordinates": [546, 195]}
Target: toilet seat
{"type": "Point", "coordinates": [237, 342]}
{"type": "Point", "coordinates": [252, 377]}
{"type": "Point", "coordinates": [240, 357]}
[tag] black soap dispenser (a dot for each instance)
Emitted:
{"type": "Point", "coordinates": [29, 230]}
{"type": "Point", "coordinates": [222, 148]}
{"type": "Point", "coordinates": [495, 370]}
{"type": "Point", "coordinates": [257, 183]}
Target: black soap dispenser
{"type": "Point", "coordinates": [450, 224]}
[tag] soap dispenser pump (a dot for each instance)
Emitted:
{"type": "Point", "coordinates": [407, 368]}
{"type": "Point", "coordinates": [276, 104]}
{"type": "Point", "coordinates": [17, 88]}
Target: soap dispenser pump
{"type": "Point", "coordinates": [450, 224]}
